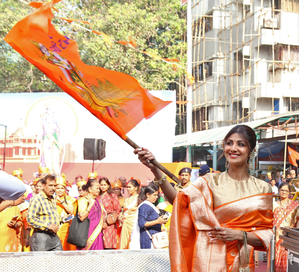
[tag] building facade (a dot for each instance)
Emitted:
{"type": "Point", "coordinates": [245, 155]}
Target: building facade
{"type": "Point", "coordinates": [245, 59]}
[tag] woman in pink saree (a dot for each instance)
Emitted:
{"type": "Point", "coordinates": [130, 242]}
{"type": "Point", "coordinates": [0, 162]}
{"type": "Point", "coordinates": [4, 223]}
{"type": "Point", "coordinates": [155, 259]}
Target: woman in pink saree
{"type": "Point", "coordinates": [286, 214]}
{"type": "Point", "coordinates": [221, 218]}
{"type": "Point", "coordinates": [89, 206]}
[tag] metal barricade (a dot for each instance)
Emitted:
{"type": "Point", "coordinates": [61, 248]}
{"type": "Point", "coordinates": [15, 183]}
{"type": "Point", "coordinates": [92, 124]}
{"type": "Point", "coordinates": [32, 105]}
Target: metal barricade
{"type": "Point", "coordinates": [146, 260]}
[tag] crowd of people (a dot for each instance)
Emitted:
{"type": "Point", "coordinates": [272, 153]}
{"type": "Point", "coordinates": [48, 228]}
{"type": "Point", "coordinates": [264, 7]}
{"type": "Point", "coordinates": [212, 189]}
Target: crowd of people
{"type": "Point", "coordinates": [117, 213]}
{"type": "Point", "coordinates": [216, 222]}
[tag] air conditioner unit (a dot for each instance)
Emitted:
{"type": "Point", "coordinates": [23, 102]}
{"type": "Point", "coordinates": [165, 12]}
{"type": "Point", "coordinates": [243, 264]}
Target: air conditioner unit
{"type": "Point", "coordinates": [270, 23]}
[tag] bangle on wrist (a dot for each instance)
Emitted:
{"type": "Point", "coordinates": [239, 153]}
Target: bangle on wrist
{"type": "Point", "coordinates": [160, 181]}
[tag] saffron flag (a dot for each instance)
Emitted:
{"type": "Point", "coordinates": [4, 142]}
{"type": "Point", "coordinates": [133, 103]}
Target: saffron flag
{"type": "Point", "coordinates": [293, 156]}
{"type": "Point", "coordinates": [117, 99]}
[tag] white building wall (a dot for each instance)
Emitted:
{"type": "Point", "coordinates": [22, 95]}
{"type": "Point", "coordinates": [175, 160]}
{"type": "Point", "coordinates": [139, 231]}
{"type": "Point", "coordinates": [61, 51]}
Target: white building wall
{"type": "Point", "coordinates": [259, 82]}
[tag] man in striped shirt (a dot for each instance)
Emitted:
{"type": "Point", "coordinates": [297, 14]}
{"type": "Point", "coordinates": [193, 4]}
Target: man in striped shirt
{"type": "Point", "coordinates": [44, 218]}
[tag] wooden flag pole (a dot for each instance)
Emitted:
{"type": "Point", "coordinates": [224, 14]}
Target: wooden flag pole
{"type": "Point", "coordinates": [154, 162]}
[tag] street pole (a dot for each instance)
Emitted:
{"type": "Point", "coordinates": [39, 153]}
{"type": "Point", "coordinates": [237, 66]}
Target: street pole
{"type": "Point", "coordinates": [189, 87]}
{"type": "Point", "coordinates": [285, 152]}
{"type": "Point", "coordinates": [215, 156]}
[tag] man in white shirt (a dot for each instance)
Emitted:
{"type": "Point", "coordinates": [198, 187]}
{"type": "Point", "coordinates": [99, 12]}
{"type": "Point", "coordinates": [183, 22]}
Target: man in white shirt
{"type": "Point", "coordinates": [273, 186]}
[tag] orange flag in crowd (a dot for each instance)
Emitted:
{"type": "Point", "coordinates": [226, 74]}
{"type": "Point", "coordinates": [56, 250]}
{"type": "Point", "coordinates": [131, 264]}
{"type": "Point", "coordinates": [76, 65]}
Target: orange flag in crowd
{"type": "Point", "coordinates": [117, 99]}
{"type": "Point", "coordinates": [293, 156]}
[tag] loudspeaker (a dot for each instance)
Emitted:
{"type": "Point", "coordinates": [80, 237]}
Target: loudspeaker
{"type": "Point", "coordinates": [101, 149]}
{"type": "Point", "coordinates": [94, 149]}
{"type": "Point", "coordinates": [90, 149]}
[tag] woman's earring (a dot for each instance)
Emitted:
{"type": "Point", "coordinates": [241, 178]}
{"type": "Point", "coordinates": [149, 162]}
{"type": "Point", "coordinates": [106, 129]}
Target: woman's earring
{"type": "Point", "coordinates": [226, 165]}
{"type": "Point", "coordinates": [251, 159]}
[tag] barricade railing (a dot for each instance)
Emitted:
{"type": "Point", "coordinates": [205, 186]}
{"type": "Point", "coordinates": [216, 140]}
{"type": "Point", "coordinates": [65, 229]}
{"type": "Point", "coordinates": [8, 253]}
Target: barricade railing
{"type": "Point", "coordinates": [146, 260]}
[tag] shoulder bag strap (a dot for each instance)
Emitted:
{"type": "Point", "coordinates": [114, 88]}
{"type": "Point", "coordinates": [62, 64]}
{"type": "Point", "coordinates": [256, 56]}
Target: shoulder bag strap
{"type": "Point", "coordinates": [148, 233]}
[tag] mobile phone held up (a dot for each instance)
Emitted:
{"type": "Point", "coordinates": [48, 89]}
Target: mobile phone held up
{"type": "Point", "coordinates": [167, 215]}
{"type": "Point", "coordinates": [66, 219]}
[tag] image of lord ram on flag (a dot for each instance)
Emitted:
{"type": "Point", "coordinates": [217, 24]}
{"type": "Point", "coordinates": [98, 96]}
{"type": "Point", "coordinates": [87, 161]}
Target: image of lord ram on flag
{"type": "Point", "coordinates": [117, 99]}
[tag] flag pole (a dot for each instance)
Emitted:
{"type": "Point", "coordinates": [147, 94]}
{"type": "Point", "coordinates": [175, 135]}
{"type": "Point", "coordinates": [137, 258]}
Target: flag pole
{"type": "Point", "coordinates": [154, 162]}
{"type": "Point", "coordinates": [285, 152]}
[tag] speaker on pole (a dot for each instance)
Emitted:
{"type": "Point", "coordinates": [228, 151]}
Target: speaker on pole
{"type": "Point", "coordinates": [90, 149]}
{"type": "Point", "coordinates": [94, 149]}
{"type": "Point", "coordinates": [102, 147]}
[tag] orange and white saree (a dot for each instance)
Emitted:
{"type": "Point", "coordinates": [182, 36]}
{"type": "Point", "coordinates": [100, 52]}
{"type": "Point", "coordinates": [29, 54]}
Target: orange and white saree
{"type": "Point", "coordinates": [218, 200]}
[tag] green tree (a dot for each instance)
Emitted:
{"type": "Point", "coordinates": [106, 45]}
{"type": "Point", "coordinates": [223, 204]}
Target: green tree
{"type": "Point", "coordinates": [157, 25]}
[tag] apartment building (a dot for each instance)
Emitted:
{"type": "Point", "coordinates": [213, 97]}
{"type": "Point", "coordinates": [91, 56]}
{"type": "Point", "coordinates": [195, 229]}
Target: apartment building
{"type": "Point", "coordinates": [245, 59]}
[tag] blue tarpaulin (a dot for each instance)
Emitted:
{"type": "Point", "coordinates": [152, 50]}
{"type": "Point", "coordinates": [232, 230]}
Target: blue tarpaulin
{"type": "Point", "coordinates": [270, 148]}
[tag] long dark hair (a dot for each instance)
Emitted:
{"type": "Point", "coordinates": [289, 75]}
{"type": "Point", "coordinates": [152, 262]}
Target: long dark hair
{"type": "Point", "coordinates": [149, 189]}
{"type": "Point", "coordinates": [88, 184]}
{"type": "Point", "coordinates": [109, 191]}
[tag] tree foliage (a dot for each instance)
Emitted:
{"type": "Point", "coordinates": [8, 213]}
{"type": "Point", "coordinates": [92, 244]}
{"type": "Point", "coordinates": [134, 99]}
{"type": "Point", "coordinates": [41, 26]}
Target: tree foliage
{"type": "Point", "coordinates": [158, 27]}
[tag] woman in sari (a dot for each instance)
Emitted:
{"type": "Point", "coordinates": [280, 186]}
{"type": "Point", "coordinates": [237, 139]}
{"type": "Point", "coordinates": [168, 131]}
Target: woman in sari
{"type": "Point", "coordinates": [111, 205]}
{"type": "Point", "coordinates": [10, 228]}
{"type": "Point", "coordinates": [116, 187]}
{"type": "Point", "coordinates": [89, 206]}
{"type": "Point", "coordinates": [80, 182]}
{"type": "Point", "coordinates": [128, 217]}
{"type": "Point", "coordinates": [66, 205]}
{"type": "Point", "coordinates": [37, 183]}
{"type": "Point", "coordinates": [220, 213]}
{"type": "Point", "coordinates": [286, 214]}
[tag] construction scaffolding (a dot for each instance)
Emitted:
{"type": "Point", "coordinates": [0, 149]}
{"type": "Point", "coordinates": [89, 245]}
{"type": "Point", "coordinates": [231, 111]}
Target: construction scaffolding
{"type": "Point", "coordinates": [245, 61]}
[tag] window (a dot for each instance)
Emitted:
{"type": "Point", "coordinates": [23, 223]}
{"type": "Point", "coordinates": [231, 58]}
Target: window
{"type": "Point", "coordinates": [199, 24]}
{"type": "Point", "coordinates": [287, 5]}
{"type": "Point", "coordinates": [243, 112]}
{"type": "Point", "coordinates": [203, 69]}
{"type": "Point", "coordinates": [292, 103]}
{"type": "Point", "coordinates": [238, 63]}
{"type": "Point", "coordinates": [281, 53]}
{"type": "Point", "coordinates": [198, 118]}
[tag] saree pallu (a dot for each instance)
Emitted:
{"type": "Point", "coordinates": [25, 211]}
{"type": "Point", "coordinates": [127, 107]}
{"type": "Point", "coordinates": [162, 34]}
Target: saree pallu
{"type": "Point", "coordinates": [10, 237]}
{"type": "Point", "coordinates": [286, 216]}
{"type": "Point", "coordinates": [95, 235]}
{"type": "Point", "coordinates": [63, 231]}
{"type": "Point", "coordinates": [111, 204]}
{"type": "Point", "coordinates": [191, 248]}
{"type": "Point", "coordinates": [130, 207]}
{"type": "Point", "coordinates": [25, 229]}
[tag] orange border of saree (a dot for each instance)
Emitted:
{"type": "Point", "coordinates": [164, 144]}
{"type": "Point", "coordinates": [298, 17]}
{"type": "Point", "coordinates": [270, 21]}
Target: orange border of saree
{"type": "Point", "coordinates": [191, 249]}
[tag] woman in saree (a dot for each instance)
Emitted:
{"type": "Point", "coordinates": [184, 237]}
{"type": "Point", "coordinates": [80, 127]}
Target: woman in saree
{"type": "Point", "coordinates": [116, 187]}
{"type": "Point", "coordinates": [10, 228]}
{"type": "Point", "coordinates": [37, 183]}
{"type": "Point", "coordinates": [89, 206]}
{"type": "Point", "coordinates": [220, 213]}
{"type": "Point", "coordinates": [286, 214]}
{"type": "Point", "coordinates": [111, 205]}
{"type": "Point", "coordinates": [129, 216]}
{"type": "Point", "coordinates": [66, 205]}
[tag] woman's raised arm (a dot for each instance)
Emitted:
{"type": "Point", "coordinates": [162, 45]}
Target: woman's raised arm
{"type": "Point", "coordinates": [145, 157]}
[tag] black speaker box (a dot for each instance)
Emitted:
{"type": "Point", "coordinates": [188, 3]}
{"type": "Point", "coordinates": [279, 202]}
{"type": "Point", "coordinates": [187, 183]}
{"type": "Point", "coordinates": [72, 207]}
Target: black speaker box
{"type": "Point", "coordinates": [90, 149]}
{"type": "Point", "coordinates": [101, 149]}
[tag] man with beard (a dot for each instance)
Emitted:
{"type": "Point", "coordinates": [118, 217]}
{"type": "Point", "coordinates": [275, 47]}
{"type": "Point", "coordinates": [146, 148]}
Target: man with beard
{"type": "Point", "coordinates": [44, 218]}
{"type": "Point", "coordinates": [184, 175]}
